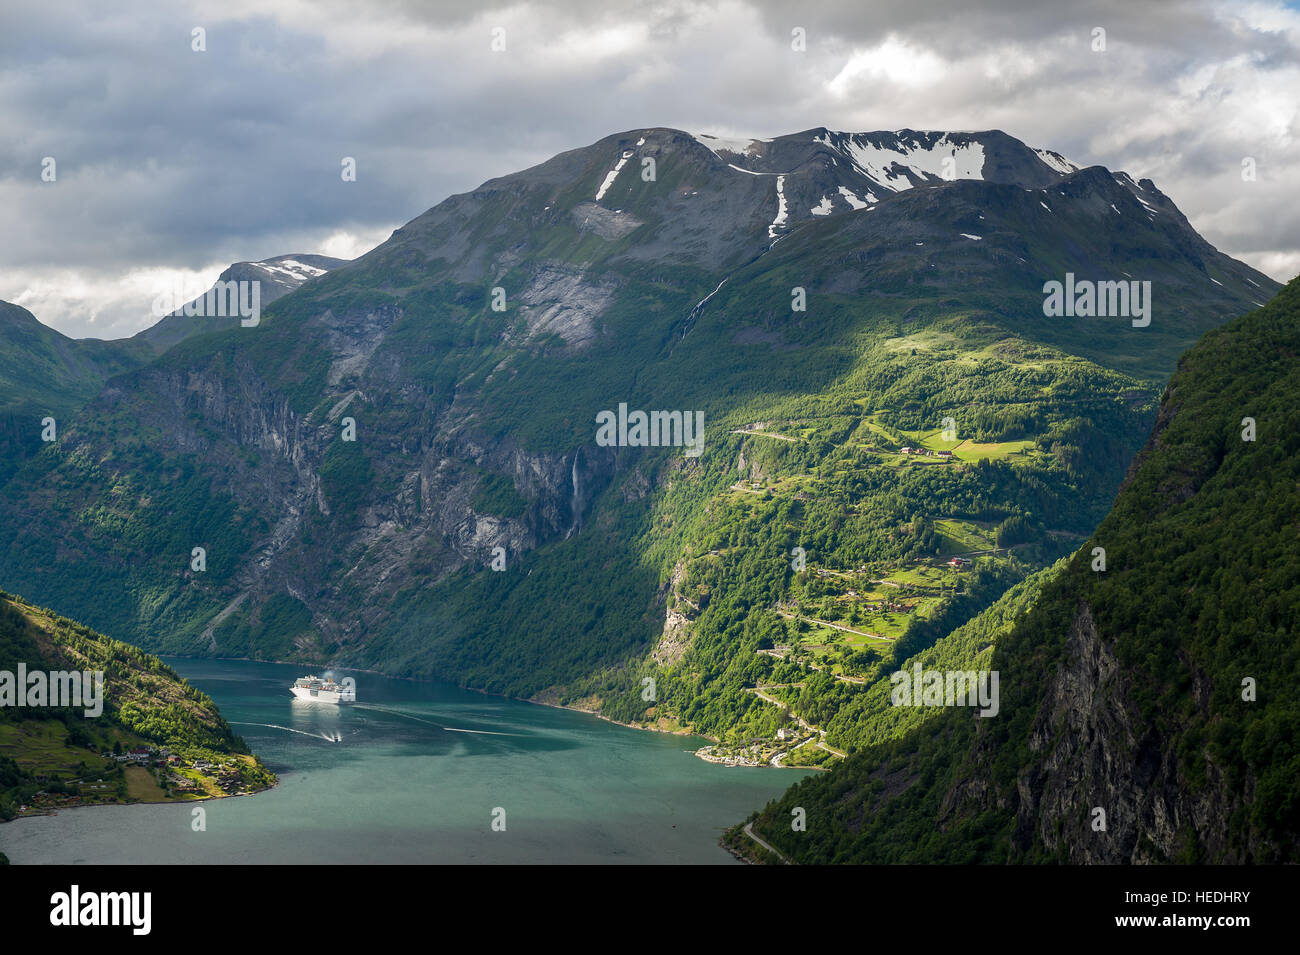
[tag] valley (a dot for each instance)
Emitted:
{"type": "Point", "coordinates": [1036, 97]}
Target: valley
{"type": "Point", "coordinates": [410, 464]}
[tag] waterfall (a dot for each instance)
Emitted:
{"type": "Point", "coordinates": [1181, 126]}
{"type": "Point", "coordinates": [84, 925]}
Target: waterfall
{"type": "Point", "coordinates": [576, 503]}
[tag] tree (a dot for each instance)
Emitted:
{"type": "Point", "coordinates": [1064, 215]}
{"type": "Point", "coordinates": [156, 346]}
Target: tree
{"type": "Point", "coordinates": [77, 736]}
{"type": "Point", "coordinates": [1016, 529]}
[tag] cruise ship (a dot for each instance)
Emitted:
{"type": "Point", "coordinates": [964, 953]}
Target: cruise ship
{"type": "Point", "coordinates": [323, 690]}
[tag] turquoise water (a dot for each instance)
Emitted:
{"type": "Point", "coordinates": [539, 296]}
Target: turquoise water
{"type": "Point", "coordinates": [416, 775]}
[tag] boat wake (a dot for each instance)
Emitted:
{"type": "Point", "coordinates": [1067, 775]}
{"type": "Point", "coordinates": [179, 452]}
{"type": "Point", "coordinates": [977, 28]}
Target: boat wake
{"type": "Point", "coordinates": [449, 729]}
{"type": "Point", "coordinates": [335, 738]}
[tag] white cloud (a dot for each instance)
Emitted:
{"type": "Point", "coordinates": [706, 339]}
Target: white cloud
{"type": "Point", "coordinates": [346, 244]}
{"type": "Point", "coordinates": [892, 63]}
{"type": "Point", "coordinates": [96, 304]}
{"type": "Point", "coordinates": [1274, 263]}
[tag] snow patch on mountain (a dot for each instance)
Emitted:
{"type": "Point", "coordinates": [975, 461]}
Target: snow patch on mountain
{"type": "Point", "coordinates": [613, 174]}
{"type": "Point", "coordinates": [781, 214]}
{"type": "Point", "coordinates": [292, 270]}
{"type": "Point", "coordinates": [722, 144]}
{"type": "Point", "coordinates": [1057, 161]}
{"type": "Point", "coordinates": [823, 208]}
{"type": "Point", "coordinates": [889, 167]}
{"type": "Point", "coordinates": [851, 198]}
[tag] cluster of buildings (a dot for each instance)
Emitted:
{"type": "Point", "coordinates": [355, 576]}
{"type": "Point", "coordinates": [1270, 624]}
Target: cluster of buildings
{"type": "Point", "coordinates": [145, 756]}
{"type": "Point", "coordinates": [227, 777]}
{"type": "Point", "coordinates": [888, 606]}
{"type": "Point", "coordinates": [926, 453]}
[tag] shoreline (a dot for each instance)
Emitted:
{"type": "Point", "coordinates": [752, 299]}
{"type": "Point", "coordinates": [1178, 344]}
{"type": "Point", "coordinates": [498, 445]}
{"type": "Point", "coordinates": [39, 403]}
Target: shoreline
{"type": "Point", "coordinates": [601, 716]}
{"type": "Point", "coordinates": [726, 761]}
{"type": "Point", "coordinates": [138, 802]}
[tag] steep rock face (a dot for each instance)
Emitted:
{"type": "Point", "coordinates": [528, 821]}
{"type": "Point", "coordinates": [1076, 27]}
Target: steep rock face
{"type": "Point", "coordinates": [340, 541]}
{"type": "Point", "coordinates": [560, 302]}
{"type": "Point", "coordinates": [675, 639]}
{"type": "Point", "coordinates": [1095, 752]}
{"type": "Point", "coordinates": [427, 526]}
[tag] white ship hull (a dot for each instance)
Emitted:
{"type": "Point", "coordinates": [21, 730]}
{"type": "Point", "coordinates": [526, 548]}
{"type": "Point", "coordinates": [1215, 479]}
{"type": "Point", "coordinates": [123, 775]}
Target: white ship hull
{"type": "Point", "coordinates": [323, 696]}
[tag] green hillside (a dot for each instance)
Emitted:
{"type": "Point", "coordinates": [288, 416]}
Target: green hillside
{"type": "Point", "coordinates": [57, 757]}
{"type": "Point", "coordinates": [1160, 691]}
{"type": "Point", "coordinates": [44, 374]}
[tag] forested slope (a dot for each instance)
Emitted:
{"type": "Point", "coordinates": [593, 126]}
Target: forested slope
{"type": "Point", "coordinates": [1149, 711]}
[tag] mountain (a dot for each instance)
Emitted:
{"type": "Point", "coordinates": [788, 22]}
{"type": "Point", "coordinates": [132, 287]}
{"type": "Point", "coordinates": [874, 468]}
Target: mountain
{"type": "Point", "coordinates": [278, 277]}
{"type": "Point", "coordinates": [471, 355]}
{"type": "Point", "coordinates": [44, 374]}
{"type": "Point", "coordinates": [60, 756]}
{"type": "Point", "coordinates": [1158, 691]}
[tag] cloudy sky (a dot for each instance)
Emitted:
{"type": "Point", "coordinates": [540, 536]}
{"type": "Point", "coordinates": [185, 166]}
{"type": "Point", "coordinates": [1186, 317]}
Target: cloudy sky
{"type": "Point", "coordinates": [170, 162]}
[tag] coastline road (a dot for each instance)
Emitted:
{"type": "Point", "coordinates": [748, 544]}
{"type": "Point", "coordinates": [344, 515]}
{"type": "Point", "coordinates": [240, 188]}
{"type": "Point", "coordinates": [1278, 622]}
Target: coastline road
{"type": "Point", "coordinates": [749, 831]}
